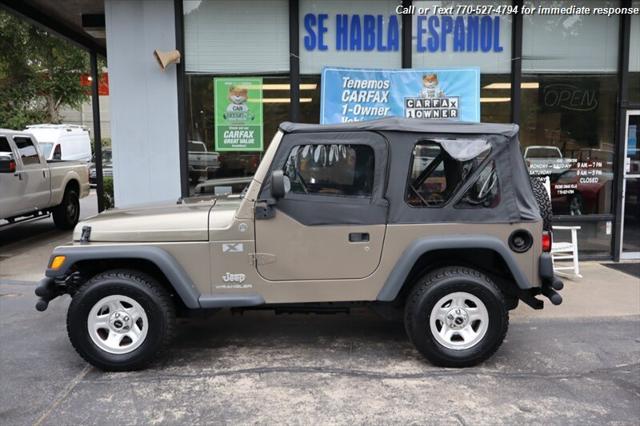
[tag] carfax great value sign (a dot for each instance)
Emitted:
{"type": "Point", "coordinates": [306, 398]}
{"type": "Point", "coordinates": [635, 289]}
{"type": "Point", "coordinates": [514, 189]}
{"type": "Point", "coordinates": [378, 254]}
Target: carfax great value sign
{"type": "Point", "coordinates": [361, 94]}
{"type": "Point", "coordinates": [238, 114]}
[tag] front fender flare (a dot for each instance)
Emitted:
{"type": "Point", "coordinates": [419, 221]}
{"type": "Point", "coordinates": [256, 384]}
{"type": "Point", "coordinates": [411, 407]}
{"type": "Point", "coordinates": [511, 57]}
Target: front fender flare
{"type": "Point", "coordinates": [409, 257]}
{"type": "Point", "coordinates": [173, 271]}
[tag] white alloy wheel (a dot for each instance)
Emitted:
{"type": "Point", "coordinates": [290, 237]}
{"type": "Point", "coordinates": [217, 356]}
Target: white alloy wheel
{"type": "Point", "coordinates": [459, 320]}
{"type": "Point", "coordinates": [117, 324]}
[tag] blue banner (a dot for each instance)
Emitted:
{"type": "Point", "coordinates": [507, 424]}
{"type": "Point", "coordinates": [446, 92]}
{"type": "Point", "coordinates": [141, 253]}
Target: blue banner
{"type": "Point", "coordinates": [364, 94]}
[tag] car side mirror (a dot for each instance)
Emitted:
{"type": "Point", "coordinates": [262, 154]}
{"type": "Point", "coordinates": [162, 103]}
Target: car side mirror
{"type": "Point", "coordinates": [7, 165]}
{"type": "Point", "coordinates": [278, 187]}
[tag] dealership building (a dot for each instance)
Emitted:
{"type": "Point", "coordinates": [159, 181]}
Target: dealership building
{"type": "Point", "coordinates": [572, 83]}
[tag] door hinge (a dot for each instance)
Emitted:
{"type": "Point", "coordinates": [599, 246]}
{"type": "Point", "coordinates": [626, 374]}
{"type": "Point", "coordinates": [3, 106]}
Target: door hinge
{"type": "Point", "coordinates": [261, 258]}
{"type": "Point", "coordinates": [265, 210]}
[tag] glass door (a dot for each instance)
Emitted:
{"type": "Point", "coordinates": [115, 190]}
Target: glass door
{"type": "Point", "coordinates": [631, 191]}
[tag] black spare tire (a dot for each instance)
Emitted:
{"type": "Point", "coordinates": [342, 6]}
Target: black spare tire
{"type": "Point", "coordinates": [544, 202]}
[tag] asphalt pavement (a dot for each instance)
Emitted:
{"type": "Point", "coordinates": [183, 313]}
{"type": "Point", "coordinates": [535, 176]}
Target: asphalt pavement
{"type": "Point", "coordinates": [25, 247]}
{"type": "Point", "coordinates": [318, 369]}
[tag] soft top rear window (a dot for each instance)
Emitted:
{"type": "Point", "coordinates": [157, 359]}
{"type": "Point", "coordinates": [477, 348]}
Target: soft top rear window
{"type": "Point", "coordinates": [436, 175]}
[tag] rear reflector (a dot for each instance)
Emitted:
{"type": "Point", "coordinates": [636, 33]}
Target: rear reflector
{"type": "Point", "coordinates": [546, 241]}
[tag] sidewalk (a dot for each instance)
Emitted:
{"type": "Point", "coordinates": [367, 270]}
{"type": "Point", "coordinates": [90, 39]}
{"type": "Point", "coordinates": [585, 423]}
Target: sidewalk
{"type": "Point", "coordinates": [602, 292]}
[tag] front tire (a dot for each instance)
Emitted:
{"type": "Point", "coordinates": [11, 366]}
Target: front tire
{"type": "Point", "coordinates": [120, 320]}
{"type": "Point", "coordinates": [456, 317]}
{"type": "Point", "coordinates": [66, 215]}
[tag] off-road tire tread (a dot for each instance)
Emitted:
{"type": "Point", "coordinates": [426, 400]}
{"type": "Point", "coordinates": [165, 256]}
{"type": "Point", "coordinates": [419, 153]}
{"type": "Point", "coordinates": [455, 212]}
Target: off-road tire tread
{"type": "Point", "coordinates": [423, 284]}
{"type": "Point", "coordinates": [165, 305]}
{"type": "Point", "coordinates": [543, 201]}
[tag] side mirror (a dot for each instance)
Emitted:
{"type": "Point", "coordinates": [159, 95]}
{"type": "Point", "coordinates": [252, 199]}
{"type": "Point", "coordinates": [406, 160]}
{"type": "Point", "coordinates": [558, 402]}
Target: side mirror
{"type": "Point", "coordinates": [278, 189]}
{"type": "Point", "coordinates": [7, 165]}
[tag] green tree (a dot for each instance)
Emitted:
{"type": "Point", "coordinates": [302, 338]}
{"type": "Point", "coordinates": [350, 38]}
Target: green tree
{"type": "Point", "coordinates": [39, 73]}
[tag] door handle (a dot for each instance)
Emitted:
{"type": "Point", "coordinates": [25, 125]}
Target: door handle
{"type": "Point", "coordinates": [359, 237]}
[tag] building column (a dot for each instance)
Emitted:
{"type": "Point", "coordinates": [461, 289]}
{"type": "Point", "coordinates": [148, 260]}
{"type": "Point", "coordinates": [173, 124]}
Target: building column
{"type": "Point", "coordinates": [97, 135]}
{"type": "Point", "coordinates": [144, 102]}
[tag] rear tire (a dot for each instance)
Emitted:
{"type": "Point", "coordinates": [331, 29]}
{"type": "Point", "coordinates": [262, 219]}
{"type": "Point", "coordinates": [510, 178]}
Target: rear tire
{"type": "Point", "coordinates": [66, 215]}
{"type": "Point", "coordinates": [120, 320]}
{"type": "Point", "coordinates": [456, 317]}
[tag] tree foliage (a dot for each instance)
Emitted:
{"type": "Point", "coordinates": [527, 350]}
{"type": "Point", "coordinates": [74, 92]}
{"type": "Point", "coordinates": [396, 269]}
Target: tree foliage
{"type": "Point", "coordinates": [39, 73]}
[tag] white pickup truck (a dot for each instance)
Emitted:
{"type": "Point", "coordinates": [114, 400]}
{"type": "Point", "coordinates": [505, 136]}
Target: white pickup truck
{"type": "Point", "coordinates": [31, 186]}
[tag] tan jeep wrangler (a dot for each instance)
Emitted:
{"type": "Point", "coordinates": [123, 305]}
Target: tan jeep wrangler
{"type": "Point", "coordinates": [437, 220]}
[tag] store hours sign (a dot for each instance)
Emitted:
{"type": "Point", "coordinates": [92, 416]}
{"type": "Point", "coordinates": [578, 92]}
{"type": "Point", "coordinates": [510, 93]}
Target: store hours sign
{"type": "Point", "coordinates": [363, 94]}
{"type": "Point", "coordinates": [238, 114]}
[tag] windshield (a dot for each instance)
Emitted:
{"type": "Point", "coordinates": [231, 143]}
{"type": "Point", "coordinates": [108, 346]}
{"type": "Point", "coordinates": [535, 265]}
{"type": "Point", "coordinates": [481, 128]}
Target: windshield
{"type": "Point", "coordinates": [46, 149]}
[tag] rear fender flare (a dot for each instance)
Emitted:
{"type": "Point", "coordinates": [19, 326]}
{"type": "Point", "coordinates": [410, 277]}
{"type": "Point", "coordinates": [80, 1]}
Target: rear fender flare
{"type": "Point", "coordinates": [410, 256]}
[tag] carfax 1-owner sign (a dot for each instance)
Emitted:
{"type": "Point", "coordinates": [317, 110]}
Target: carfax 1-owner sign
{"type": "Point", "coordinates": [238, 114]}
{"type": "Point", "coordinates": [361, 94]}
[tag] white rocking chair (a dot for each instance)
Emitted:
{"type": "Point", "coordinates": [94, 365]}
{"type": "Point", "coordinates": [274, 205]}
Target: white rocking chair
{"type": "Point", "coordinates": [566, 251]}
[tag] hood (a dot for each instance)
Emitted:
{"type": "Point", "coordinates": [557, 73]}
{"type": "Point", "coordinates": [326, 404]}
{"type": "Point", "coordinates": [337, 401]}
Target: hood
{"type": "Point", "coordinates": [160, 222]}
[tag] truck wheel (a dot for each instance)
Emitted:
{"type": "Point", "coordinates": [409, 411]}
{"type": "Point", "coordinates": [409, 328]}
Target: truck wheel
{"type": "Point", "coordinates": [120, 320]}
{"type": "Point", "coordinates": [456, 317]}
{"type": "Point", "coordinates": [544, 203]}
{"type": "Point", "coordinates": [66, 215]}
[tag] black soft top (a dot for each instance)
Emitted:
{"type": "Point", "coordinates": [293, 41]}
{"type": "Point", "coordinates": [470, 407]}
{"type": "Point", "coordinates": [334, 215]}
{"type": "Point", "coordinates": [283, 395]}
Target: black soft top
{"type": "Point", "coordinates": [398, 124]}
{"type": "Point", "coordinates": [393, 141]}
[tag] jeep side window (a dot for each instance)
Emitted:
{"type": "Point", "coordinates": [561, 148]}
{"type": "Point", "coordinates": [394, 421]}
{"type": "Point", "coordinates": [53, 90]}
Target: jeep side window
{"type": "Point", "coordinates": [435, 175]}
{"type": "Point", "coordinates": [340, 170]}
{"type": "Point", "coordinates": [485, 192]}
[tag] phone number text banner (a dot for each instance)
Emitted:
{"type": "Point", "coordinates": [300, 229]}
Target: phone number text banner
{"type": "Point", "coordinates": [365, 94]}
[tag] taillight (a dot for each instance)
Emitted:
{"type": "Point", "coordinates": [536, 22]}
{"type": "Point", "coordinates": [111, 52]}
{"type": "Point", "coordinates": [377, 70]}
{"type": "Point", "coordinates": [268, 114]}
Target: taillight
{"type": "Point", "coordinates": [546, 241]}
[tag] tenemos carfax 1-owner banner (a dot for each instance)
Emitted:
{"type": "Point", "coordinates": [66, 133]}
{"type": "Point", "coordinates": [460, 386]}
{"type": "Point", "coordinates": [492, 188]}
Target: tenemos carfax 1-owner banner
{"type": "Point", "coordinates": [364, 94]}
{"type": "Point", "coordinates": [238, 114]}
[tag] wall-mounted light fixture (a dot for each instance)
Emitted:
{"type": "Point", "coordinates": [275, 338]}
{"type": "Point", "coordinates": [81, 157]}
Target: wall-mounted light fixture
{"type": "Point", "coordinates": [166, 58]}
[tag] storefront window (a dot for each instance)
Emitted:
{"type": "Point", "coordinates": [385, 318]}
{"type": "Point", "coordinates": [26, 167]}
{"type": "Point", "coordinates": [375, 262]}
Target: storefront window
{"type": "Point", "coordinates": [357, 33]}
{"type": "Point", "coordinates": [594, 237]}
{"type": "Point", "coordinates": [495, 98]}
{"type": "Point", "coordinates": [451, 40]}
{"type": "Point", "coordinates": [634, 57]}
{"type": "Point", "coordinates": [200, 118]}
{"type": "Point", "coordinates": [568, 107]}
{"type": "Point", "coordinates": [236, 36]}
{"type": "Point", "coordinates": [459, 41]}
{"type": "Point", "coordinates": [310, 99]}
{"type": "Point", "coordinates": [244, 45]}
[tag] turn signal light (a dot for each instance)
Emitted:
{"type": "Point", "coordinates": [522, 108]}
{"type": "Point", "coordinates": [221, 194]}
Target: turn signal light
{"type": "Point", "coordinates": [546, 241]}
{"type": "Point", "coordinates": [57, 262]}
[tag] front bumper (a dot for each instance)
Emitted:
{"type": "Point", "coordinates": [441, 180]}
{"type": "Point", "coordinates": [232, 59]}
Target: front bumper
{"type": "Point", "coordinates": [47, 290]}
{"type": "Point", "coordinates": [55, 284]}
